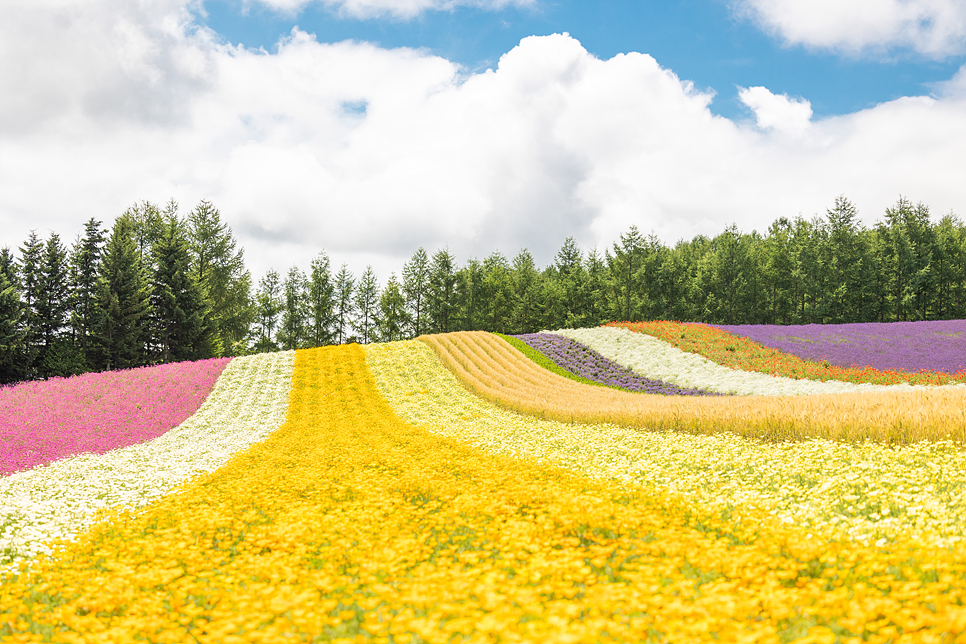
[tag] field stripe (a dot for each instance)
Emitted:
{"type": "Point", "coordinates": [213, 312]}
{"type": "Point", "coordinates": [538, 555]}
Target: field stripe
{"type": "Point", "coordinates": [492, 369]}
{"type": "Point", "coordinates": [348, 524]}
{"type": "Point", "coordinates": [654, 358]}
{"type": "Point", "coordinates": [58, 500]}
{"type": "Point", "coordinates": [863, 491]}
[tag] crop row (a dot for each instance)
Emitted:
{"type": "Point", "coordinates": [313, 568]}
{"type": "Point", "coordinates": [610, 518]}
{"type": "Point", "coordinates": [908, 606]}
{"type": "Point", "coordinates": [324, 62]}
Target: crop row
{"type": "Point", "coordinates": [351, 524]}
{"type": "Point", "coordinates": [489, 367]}
{"type": "Point", "coordinates": [60, 499]}
{"type": "Point", "coordinates": [730, 350]}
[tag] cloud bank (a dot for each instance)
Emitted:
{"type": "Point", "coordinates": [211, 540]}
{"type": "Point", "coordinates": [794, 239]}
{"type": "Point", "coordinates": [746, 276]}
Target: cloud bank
{"type": "Point", "coordinates": [400, 9]}
{"type": "Point", "coordinates": [933, 28]}
{"type": "Point", "coordinates": [370, 153]}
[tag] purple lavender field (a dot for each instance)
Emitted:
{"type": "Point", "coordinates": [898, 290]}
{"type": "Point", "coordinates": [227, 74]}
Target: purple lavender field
{"type": "Point", "coordinates": [587, 363]}
{"type": "Point", "coordinates": [902, 346]}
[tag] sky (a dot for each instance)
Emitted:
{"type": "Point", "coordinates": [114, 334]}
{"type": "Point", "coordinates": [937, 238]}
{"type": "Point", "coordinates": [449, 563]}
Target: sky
{"type": "Point", "coordinates": [369, 128]}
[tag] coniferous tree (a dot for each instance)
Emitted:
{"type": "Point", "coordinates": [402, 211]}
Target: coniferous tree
{"type": "Point", "coordinates": [572, 279]}
{"type": "Point", "coordinates": [367, 307]}
{"type": "Point", "coordinates": [29, 269]}
{"type": "Point", "coordinates": [219, 267]}
{"type": "Point", "coordinates": [625, 274]}
{"type": "Point", "coordinates": [12, 331]}
{"type": "Point", "coordinates": [496, 294]}
{"type": "Point", "coordinates": [321, 303]}
{"type": "Point", "coordinates": [85, 259]}
{"type": "Point", "coordinates": [441, 292]}
{"type": "Point", "coordinates": [469, 284]}
{"type": "Point", "coordinates": [122, 302]}
{"type": "Point", "coordinates": [415, 274]}
{"type": "Point", "coordinates": [344, 304]}
{"type": "Point", "coordinates": [268, 302]}
{"type": "Point", "coordinates": [147, 226]}
{"type": "Point", "coordinates": [393, 317]}
{"type": "Point", "coordinates": [524, 278]}
{"type": "Point", "coordinates": [58, 356]}
{"type": "Point", "coordinates": [178, 311]}
{"type": "Point", "coordinates": [292, 332]}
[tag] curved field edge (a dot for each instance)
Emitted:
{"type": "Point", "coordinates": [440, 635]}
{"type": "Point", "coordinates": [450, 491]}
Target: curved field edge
{"type": "Point", "coordinates": [59, 500]}
{"type": "Point", "coordinates": [864, 491]}
{"type": "Point", "coordinates": [539, 358]}
{"type": "Point", "coordinates": [493, 370]}
{"type": "Point", "coordinates": [350, 524]}
{"type": "Point", "coordinates": [44, 421]}
{"type": "Point", "coordinates": [731, 350]}
{"type": "Point", "coordinates": [653, 358]}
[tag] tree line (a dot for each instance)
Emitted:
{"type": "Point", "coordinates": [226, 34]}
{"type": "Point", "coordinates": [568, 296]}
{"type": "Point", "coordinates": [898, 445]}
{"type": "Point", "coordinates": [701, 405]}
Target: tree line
{"type": "Point", "coordinates": [159, 287]}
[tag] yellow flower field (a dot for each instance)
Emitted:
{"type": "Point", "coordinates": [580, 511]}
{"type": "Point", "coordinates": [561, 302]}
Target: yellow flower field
{"type": "Point", "coordinates": [350, 524]}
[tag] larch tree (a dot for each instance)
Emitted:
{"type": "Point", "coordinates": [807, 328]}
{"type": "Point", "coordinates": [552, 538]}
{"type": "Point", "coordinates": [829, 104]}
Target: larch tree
{"type": "Point", "coordinates": [85, 260]}
{"type": "Point", "coordinates": [344, 304]}
{"type": "Point", "coordinates": [367, 307]}
{"type": "Point", "coordinates": [415, 274]}
{"type": "Point", "coordinates": [268, 303]}
{"type": "Point", "coordinates": [393, 317]}
{"type": "Point", "coordinates": [292, 332]}
{"type": "Point", "coordinates": [321, 303]}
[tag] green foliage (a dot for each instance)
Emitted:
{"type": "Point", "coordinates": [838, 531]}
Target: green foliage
{"type": "Point", "coordinates": [366, 302]}
{"type": "Point", "coordinates": [415, 274]}
{"type": "Point", "coordinates": [122, 302]}
{"type": "Point", "coordinates": [268, 303]}
{"type": "Point", "coordinates": [12, 331]}
{"type": "Point", "coordinates": [393, 317]}
{"type": "Point", "coordinates": [344, 304]}
{"type": "Point", "coordinates": [320, 303]}
{"type": "Point", "coordinates": [85, 259]}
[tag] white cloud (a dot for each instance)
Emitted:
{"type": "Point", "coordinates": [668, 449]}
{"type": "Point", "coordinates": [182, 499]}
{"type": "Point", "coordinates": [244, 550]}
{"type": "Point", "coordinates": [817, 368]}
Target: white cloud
{"type": "Point", "coordinates": [774, 112]}
{"type": "Point", "coordinates": [934, 28]}
{"type": "Point", "coordinates": [404, 9]}
{"type": "Point", "coordinates": [369, 153]}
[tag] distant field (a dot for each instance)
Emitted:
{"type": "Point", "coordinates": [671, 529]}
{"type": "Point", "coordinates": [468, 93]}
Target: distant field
{"type": "Point", "coordinates": [638, 482]}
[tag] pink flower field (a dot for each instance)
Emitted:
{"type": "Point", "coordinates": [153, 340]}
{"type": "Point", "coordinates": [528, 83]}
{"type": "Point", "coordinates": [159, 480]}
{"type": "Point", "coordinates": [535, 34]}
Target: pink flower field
{"type": "Point", "coordinates": [41, 422]}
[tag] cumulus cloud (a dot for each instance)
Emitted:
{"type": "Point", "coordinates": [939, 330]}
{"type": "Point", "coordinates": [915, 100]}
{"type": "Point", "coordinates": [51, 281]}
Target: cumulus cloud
{"type": "Point", "coordinates": [775, 112]}
{"type": "Point", "coordinates": [934, 28]}
{"type": "Point", "coordinates": [404, 9]}
{"type": "Point", "coordinates": [370, 153]}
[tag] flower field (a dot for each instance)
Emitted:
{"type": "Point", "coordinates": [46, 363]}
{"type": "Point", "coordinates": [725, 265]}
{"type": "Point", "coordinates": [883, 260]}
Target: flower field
{"type": "Point", "coordinates": [416, 491]}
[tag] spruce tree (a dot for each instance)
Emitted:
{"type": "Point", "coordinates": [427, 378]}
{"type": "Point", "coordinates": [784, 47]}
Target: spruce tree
{"type": "Point", "coordinates": [344, 304]}
{"type": "Point", "coordinates": [441, 292]}
{"type": "Point", "coordinates": [122, 302]}
{"type": "Point", "coordinates": [52, 302]}
{"type": "Point", "coordinates": [178, 312]}
{"type": "Point", "coordinates": [268, 302]}
{"type": "Point", "coordinates": [31, 259]}
{"type": "Point", "coordinates": [367, 306]}
{"type": "Point", "coordinates": [219, 267]}
{"type": "Point", "coordinates": [393, 318]}
{"type": "Point", "coordinates": [291, 333]}
{"type": "Point", "coordinates": [415, 274]}
{"type": "Point", "coordinates": [321, 303]}
{"type": "Point", "coordinates": [12, 332]}
{"type": "Point", "coordinates": [85, 259]}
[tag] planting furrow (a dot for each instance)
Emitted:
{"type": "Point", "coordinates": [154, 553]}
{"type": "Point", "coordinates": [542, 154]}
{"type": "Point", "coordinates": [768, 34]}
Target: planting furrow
{"type": "Point", "coordinates": [59, 500]}
{"type": "Point", "coordinates": [515, 382]}
{"type": "Point", "coordinates": [349, 524]}
{"type": "Point", "coordinates": [864, 491]}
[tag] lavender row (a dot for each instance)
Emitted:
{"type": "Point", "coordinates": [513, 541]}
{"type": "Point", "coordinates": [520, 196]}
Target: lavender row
{"type": "Point", "coordinates": [902, 346]}
{"type": "Point", "coordinates": [587, 363]}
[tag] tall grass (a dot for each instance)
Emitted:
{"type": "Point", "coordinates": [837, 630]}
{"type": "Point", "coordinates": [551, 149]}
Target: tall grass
{"type": "Point", "coordinates": [488, 366]}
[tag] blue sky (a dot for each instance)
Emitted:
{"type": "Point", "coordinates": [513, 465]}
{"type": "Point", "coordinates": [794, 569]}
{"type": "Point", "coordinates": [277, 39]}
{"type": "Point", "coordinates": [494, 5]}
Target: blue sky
{"type": "Point", "coordinates": [369, 128]}
{"type": "Point", "coordinates": [699, 40]}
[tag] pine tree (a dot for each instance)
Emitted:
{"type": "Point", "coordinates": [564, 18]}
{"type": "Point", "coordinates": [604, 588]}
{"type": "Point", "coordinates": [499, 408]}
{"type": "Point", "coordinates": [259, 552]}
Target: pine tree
{"type": "Point", "coordinates": [12, 332]}
{"type": "Point", "coordinates": [292, 332]}
{"type": "Point", "coordinates": [219, 267]}
{"type": "Point", "coordinates": [122, 302]}
{"type": "Point", "coordinates": [367, 306]}
{"type": "Point", "coordinates": [625, 274]}
{"type": "Point", "coordinates": [321, 303]}
{"type": "Point", "coordinates": [85, 259]}
{"type": "Point", "coordinates": [268, 302]}
{"type": "Point", "coordinates": [415, 274]}
{"type": "Point", "coordinates": [344, 304]}
{"type": "Point", "coordinates": [524, 278]}
{"type": "Point", "coordinates": [393, 318]}
{"type": "Point", "coordinates": [178, 311]}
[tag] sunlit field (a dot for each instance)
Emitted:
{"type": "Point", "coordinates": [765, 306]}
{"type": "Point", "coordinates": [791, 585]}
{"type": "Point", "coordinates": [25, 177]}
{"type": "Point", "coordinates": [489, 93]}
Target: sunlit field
{"type": "Point", "coordinates": [616, 484]}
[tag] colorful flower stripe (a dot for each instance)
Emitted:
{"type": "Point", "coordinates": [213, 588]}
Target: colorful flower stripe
{"type": "Point", "coordinates": [929, 345]}
{"type": "Point", "coordinates": [41, 422]}
{"type": "Point", "coordinates": [349, 525]}
{"type": "Point", "coordinates": [58, 500]}
{"type": "Point", "coordinates": [490, 368]}
{"type": "Point", "coordinates": [863, 491]}
{"type": "Point", "coordinates": [654, 358]}
{"type": "Point", "coordinates": [734, 351]}
{"type": "Point", "coordinates": [584, 361]}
